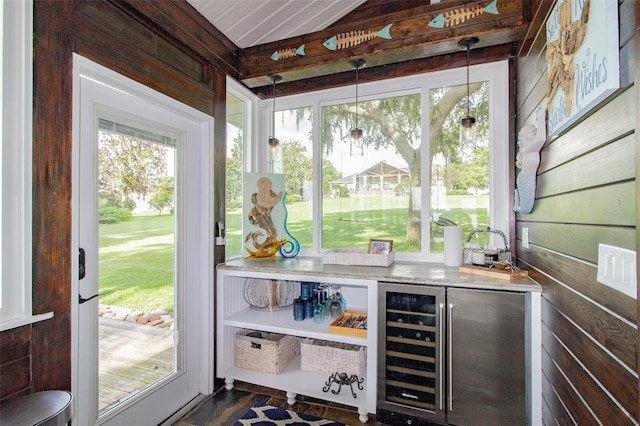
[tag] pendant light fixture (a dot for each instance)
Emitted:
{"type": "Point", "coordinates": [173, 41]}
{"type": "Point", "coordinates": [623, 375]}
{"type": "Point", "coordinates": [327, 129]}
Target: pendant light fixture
{"type": "Point", "coordinates": [273, 141]}
{"type": "Point", "coordinates": [356, 133]}
{"type": "Point", "coordinates": [468, 122]}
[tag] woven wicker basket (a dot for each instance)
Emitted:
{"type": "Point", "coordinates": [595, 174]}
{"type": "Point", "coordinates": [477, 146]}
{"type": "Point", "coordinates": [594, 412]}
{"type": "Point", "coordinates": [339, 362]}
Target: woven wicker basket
{"type": "Point", "coordinates": [269, 353]}
{"type": "Point", "coordinates": [330, 357]}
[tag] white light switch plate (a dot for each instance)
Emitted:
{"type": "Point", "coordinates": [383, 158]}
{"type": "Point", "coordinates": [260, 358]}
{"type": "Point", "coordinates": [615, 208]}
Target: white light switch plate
{"type": "Point", "coordinates": [617, 269]}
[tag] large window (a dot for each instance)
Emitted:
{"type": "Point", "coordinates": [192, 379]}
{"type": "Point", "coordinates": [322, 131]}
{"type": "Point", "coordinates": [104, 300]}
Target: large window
{"type": "Point", "coordinates": [410, 174]}
{"type": "Point", "coordinates": [15, 164]}
{"type": "Point", "coordinates": [373, 182]}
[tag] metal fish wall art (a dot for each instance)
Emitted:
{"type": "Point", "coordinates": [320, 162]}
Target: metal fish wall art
{"type": "Point", "coordinates": [463, 14]}
{"type": "Point", "coordinates": [354, 38]}
{"type": "Point", "coordinates": [287, 53]}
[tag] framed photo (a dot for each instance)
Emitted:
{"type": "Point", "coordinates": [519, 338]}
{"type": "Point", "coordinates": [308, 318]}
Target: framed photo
{"type": "Point", "coordinates": [380, 246]}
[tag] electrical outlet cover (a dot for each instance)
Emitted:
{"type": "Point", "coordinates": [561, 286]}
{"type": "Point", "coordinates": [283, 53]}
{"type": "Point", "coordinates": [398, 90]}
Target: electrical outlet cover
{"type": "Point", "coordinates": [617, 269]}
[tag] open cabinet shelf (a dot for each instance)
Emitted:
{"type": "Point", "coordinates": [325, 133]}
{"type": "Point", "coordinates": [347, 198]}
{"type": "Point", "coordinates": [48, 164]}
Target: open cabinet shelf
{"type": "Point", "coordinates": [234, 314]}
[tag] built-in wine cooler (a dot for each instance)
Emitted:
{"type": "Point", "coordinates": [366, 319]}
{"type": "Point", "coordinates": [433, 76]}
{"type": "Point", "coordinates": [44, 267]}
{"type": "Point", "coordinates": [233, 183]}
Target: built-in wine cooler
{"type": "Point", "coordinates": [450, 356]}
{"type": "Point", "coordinates": [411, 352]}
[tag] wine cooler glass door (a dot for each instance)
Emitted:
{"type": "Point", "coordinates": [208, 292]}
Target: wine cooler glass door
{"type": "Point", "coordinates": [411, 352]}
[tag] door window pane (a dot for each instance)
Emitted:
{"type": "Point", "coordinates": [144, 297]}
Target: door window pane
{"type": "Point", "coordinates": [136, 228]}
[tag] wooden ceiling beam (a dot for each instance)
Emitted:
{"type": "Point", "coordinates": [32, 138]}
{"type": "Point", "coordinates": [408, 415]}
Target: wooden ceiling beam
{"type": "Point", "coordinates": [367, 74]}
{"type": "Point", "coordinates": [411, 38]}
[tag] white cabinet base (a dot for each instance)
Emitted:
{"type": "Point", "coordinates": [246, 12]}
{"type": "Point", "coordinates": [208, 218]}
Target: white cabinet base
{"type": "Point", "coordinates": [233, 315]}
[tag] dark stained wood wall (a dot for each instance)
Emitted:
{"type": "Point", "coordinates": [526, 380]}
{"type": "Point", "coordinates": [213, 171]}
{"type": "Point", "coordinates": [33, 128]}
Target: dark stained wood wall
{"type": "Point", "coordinates": [586, 195]}
{"type": "Point", "coordinates": [147, 42]}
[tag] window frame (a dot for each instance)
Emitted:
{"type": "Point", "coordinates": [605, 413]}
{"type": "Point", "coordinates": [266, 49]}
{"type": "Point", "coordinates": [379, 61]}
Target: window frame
{"type": "Point", "coordinates": [496, 73]}
{"type": "Point", "coordinates": [251, 121]}
{"type": "Point", "coordinates": [16, 234]}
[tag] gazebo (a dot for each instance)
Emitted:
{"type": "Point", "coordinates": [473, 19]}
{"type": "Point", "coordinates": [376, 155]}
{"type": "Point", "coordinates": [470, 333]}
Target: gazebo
{"type": "Point", "coordinates": [380, 177]}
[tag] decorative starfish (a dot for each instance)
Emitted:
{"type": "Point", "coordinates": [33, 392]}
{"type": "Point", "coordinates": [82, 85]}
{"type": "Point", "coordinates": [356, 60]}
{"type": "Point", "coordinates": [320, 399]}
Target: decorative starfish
{"type": "Point", "coordinates": [561, 52]}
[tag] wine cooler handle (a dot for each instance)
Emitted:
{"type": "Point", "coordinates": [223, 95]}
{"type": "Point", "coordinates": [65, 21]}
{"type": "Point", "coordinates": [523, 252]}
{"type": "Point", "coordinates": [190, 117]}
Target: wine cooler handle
{"type": "Point", "coordinates": [441, 356]}
{"type": "Point", "coordinates": [450, 355]}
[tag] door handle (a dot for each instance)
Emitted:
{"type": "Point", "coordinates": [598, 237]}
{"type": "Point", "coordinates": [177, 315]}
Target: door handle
{"type": "Point", "coordinates": [81, 264]}
{"type": "Point", "coordinates": [441, 355]}
{"type": "Point", "coordinates": [82, 300]}
{"type": "Point", "coordinates": [450, 355]}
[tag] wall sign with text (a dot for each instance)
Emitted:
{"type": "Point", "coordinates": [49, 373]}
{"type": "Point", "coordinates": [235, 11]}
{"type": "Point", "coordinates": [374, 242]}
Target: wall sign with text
{"type": "Point", "coordinates": [582, 59]}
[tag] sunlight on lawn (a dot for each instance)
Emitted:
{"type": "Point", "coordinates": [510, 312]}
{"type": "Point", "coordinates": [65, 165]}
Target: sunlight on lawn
{"type": "Point", "coordinates": [136, 256]}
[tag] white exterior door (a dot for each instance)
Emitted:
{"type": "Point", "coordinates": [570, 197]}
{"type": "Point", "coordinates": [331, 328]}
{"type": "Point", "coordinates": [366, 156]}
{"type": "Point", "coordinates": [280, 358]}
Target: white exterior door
{"type": "Point", "coordinates": [138, 151]}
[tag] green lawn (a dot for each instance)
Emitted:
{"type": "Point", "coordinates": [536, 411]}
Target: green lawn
{"type": "Point", "coordinates": [377, 217]}
{"type": "Point", "coordinates": [136, 257]}
{"type": "Point", "coordinates": [136, 263]}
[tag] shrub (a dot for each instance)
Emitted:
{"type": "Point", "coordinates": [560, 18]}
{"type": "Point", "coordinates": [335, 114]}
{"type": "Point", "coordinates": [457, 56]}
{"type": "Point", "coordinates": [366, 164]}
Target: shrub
{"type": "Point", "coordinates": [129, 204]}
{"type": "Point", "coordinates": [344, 192]}
{"type": "Point", "coordinates": [294, 198]}
{"type": "Point", "coordinates": [112, 214]}
{"type": "Point", "coordinates": [234, 204]}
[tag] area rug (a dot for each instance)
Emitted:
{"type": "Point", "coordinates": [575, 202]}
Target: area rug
{"type": "Point", "coordinates": [267, 415]}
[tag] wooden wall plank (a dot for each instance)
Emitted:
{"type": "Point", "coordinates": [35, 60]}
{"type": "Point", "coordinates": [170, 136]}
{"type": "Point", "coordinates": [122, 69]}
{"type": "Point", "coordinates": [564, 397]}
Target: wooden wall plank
{"type": "Point", "coordinates": [607, 370]}
{"type": "Point", "coordinates": [595, 397]}
{"type": "Point", "coordinates": [614, 120]}
{"type": "Point", "coordinates": [614, 334]}
{"type": "Point", "coordinates": [531, 101]}
{"type": "Point", "coordinates": [579, 276]}
{"type": "Point", "coordinates": [52, 124]}
{"type": "Point", "coordinates": [611, 205]}
{"type": "Point", "coordinates": [16, 377]}
{"type": "Point", "coordinates": [566, 395]}
{"type": "Point", "coordinates": [553, 412]}
{"type": "Point", "coordinates": [114, 25]}
{"type": "Point", "coordinates": [627, 26]}
{"type": "Point", "coordinates": [180, 22]}
{"type": "Point", "coordinates": [146, 60]}
{"type": "Point", "coordinates": [15, 343]}
{"type": "Point", "coordinates": [532, 65]}
{"type": "Point", "coordinates": [15, 362]}
{"type": "Point", "coordinates": [612, 163]}
{"type": "Point", "coordinates": [580, 241]}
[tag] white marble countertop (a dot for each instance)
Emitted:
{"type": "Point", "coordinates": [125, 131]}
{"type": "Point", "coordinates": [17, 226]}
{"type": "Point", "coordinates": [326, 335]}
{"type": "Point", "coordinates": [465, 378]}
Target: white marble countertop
{"type": "Point", "coordinates": [399, 272]}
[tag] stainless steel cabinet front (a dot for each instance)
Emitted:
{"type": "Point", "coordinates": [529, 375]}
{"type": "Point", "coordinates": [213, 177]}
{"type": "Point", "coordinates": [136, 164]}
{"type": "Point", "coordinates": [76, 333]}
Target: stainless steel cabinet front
{"type": "Point", "coordinates": [486, 357]}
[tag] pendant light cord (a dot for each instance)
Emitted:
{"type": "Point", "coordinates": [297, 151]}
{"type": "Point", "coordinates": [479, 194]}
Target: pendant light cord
{"type": "Point", "coordinates": [468, 95]}
{"type": "Point", "coordinates": [273, 141]}
{"type": "Point", "coordinates": [357, 70]}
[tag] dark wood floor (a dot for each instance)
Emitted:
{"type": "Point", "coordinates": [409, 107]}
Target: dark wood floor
{"type": "Point", "coordinates": [224, 408]}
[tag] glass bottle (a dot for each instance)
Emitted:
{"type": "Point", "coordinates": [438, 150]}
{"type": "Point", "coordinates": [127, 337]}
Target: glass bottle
{"type": "Point", "coordinates": [343, 302]}
{"type": "Point", "coordinates": [335, 309]}
{"type": "Point", "coordinates": [298, 310]}
{"type": "Point", "coordinates": [318, 311]}
{"type": "Point", "coordinates": [326, 303]}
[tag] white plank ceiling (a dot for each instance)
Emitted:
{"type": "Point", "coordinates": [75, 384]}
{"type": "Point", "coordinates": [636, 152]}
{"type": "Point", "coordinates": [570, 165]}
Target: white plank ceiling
{"type": "Point", "coordinates": [251, 22]}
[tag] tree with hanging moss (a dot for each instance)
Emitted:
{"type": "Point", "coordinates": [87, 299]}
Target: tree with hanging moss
{"type": "Point", "coordinates": [396, 122]}
{"type": "Point", "coordinates": [297, 167]}
{"type": "Point", "coordinates": [128, 166]}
